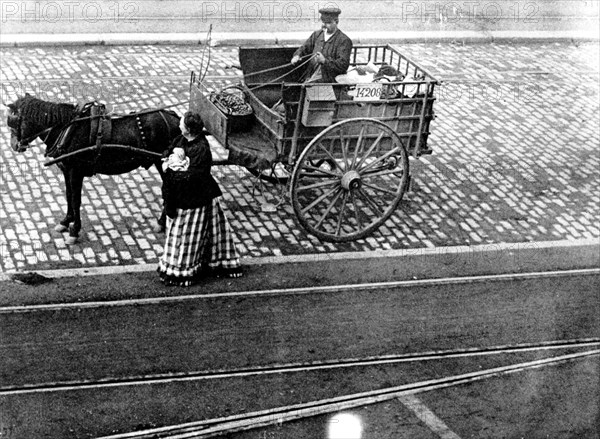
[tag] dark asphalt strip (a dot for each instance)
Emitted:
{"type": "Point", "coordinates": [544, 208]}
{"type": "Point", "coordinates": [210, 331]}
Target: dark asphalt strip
{"type": "Point", "coordinates": [297, 367]}
{"type": "Point", "coordinates": [303, 290]}
{"type": "Point", "coordinates": [218, 427]}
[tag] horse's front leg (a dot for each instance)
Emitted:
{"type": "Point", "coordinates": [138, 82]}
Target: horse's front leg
{"type": "Point", "coordinates": [63, 225]}
{"type": "Point", "coordinates": [76, 179]}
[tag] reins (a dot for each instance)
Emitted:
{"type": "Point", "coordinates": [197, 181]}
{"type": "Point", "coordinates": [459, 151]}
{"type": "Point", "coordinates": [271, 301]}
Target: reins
{"type": "Point", "coordinates": [208, 44]}
{"type": "Point", "coordinates": [308, 59]}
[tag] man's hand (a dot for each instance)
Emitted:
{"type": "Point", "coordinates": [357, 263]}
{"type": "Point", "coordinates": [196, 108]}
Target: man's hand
{"type": "Point", "coordinates": [295, 59]}
{"type": "Point", "coordinates": [319, 57]}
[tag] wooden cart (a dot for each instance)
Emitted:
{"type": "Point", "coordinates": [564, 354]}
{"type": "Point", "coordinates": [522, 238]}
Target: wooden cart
{"type": "Point", "coordinates": [345, 147]}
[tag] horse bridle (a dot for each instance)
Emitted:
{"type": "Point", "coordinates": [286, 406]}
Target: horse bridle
{"type": "Point", "coordinates": [14, 122]}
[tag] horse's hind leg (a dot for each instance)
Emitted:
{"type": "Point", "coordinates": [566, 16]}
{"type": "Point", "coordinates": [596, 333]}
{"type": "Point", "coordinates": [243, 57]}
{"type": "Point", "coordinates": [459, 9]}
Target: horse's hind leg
{"type": "Point", "coordinates": [63, 225]}
{"type": "Point", "coordinates": [76, 180]}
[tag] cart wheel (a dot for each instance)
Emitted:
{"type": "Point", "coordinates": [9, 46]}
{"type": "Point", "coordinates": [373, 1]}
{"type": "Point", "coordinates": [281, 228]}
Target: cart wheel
{"type": "Point", "coordinates": [349, 179]}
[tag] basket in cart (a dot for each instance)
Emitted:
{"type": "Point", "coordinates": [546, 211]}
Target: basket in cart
{"type": "Point", "coordinates": [232, 102]}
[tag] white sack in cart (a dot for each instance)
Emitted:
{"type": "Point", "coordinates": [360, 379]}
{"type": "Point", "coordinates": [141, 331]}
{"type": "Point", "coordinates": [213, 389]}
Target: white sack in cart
{"type": "Point", "coordinates": [371, 73]}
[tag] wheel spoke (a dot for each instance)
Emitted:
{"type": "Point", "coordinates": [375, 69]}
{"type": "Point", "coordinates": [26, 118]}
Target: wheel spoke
{"type": "Point", "coordinates": [371, 149]}
{"type": "Point", "coordinates": [325, 172]}
{"type": "Point", "coordinates": [338, 227]}
{"type": "Point", "coordinates": [370, 202]}
{"type": "Point", "coordinates": [358, 144]}
{"type": "Point", "coordinates": [318, 200]}
{"type": "Point", "coordinates": [331, 157]}
{"type": "Point", "coordinates": [343, 146]}
{"type": "Point", "coordinates": [382, 173]}
{"type": "Point", "coordinates": [318, 185]}
{"type": "Point", "coordinates": [344, 156]}
{"type": "Point", "coordinates": [380, 189]}
{"type": "Point", "coordinates": [382, 158]}
{"type": "Point", "coordinates": [356, 215]}
{"type": "Point", "coordinates": [335, 199]}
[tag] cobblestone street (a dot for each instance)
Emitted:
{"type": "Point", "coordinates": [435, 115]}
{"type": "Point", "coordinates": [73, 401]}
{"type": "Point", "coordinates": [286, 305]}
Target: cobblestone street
{"type": "Point", "coordinates": [515, 155]}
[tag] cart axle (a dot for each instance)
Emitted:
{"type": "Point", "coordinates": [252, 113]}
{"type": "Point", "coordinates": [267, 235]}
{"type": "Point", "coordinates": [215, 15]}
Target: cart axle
{"type": "Point", "coordinates": [351, 180]}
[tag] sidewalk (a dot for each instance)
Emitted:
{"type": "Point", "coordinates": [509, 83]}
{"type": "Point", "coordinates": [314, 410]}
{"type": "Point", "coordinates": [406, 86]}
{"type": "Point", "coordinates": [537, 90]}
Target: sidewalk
{"type": "Point", "coordinates": [265, 38]}
{"type": "Point", "coordinates": [516, 156]}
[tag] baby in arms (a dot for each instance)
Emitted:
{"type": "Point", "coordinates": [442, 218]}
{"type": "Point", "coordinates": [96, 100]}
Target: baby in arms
{"type": "Point", "coordinates": [177, 161]}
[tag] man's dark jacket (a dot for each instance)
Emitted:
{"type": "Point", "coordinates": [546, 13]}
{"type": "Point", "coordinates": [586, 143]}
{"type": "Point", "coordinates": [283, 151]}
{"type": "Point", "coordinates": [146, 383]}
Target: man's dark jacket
{"type": "Point", "coordinates": [336, 51]}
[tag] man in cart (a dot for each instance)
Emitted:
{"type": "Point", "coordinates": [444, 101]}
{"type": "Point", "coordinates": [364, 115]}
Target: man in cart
{"type": "Point", "coordinates": [330, 47]}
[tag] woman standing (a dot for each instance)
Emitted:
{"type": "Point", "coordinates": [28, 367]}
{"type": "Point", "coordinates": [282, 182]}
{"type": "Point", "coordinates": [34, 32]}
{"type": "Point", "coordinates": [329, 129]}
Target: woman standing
{"type": "Point", "coordinates": [198, 236]}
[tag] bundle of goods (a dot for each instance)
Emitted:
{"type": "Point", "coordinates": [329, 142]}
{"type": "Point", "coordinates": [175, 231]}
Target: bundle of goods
{"type": "Point", "coordinates": [231, 101]}
{"type": "Point", "coordinates": [372, 74]}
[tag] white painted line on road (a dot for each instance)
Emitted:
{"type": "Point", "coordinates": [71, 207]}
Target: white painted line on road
{"type": "Point", "coordinates": [301, 290]}
{"type": "Point", "coordinates": [324, 257]}
{"type": "Point", "coordinates": [429, 418]}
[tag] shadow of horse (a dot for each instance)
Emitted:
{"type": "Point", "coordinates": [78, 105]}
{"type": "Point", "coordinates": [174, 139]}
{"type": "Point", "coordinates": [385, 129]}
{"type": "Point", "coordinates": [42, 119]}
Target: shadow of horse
{"type": "Point", "coordinates": [71, 138]}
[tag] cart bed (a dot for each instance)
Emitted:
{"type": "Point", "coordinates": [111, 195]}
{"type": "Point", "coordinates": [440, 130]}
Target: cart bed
{"type": "Point", "coordinates": [280, 138]}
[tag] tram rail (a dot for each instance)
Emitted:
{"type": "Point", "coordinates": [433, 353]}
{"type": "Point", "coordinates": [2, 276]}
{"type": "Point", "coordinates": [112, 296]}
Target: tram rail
{"type": "Point", "coordinates": [298, 367]}
{"type": "Point", "coordinates": [277, 416]}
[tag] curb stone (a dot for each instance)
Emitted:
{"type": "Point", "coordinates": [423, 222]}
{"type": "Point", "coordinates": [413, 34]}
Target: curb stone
{"type": "Point", "coordinates": [261, 38]}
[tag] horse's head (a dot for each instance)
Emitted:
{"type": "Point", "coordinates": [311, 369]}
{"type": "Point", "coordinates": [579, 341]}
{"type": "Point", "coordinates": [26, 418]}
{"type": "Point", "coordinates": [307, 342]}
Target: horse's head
{"type": "Point", "coordinates": [14, 121]}
{"type": "Point", "coordinates": [22, 129]}
{"type": "Point", "coordinates": [29, 118]}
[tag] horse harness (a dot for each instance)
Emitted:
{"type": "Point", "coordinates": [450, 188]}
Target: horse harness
{"type": "Point", "coordinates": [100, 124]}
{"type": "Point", "coordinates": [100, 131]}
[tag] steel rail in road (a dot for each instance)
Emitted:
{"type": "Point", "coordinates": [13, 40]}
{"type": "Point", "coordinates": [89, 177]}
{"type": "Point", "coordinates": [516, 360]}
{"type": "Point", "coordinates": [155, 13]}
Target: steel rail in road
{"type": "Point", "coordinates": [247, 421]}
{"type": "Point", "coordinates": [167, 378]}
{"type": "Point", "coordinates": [302, 290]}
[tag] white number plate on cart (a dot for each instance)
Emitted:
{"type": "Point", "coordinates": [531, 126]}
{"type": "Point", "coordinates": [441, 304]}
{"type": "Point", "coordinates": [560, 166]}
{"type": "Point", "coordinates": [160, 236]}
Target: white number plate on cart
{"type": "Point", "coordinates": [367, 92]}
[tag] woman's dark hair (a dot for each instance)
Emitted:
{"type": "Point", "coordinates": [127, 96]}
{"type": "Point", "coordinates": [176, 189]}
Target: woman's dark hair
{"type": "Point", "coordinates": [193, 122]}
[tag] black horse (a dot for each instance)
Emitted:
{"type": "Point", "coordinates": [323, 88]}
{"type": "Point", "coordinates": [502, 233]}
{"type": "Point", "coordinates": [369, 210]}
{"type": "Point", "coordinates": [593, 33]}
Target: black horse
{"type": "Point", "coordinates": [71, 137]}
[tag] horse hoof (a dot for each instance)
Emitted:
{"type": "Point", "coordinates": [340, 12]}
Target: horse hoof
{"type": "Point", "coordinates": [60, 228]}
{"type": "Point", "coordinates": [71, 240]}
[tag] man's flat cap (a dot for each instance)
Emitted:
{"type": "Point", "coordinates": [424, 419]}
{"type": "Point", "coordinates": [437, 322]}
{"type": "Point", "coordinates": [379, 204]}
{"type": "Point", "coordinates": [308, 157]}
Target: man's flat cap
{"type": "Point", "coordinates": [329, 14]}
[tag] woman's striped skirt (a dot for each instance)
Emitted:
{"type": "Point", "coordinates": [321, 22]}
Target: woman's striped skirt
{"type": "Point", "coordinates": [196, 240]}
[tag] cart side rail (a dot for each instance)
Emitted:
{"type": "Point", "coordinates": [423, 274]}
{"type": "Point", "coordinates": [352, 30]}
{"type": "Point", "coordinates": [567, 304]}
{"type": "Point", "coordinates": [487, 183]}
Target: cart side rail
{"type": "Point", "coordinates": [409, 117]}
{"type": "Point", "coordinates": [390, 55]}
{"type": "Point", "coordinates": [257, 62]}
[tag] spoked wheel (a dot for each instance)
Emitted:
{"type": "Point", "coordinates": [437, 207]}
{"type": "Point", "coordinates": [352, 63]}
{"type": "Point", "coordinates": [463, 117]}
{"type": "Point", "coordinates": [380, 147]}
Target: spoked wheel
{"type": "Point", "coordinates": [349, 179]}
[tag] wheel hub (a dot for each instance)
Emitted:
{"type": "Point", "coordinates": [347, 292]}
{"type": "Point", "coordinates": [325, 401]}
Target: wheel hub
{"type": "Point", "coordinates": [351, 180]}
{"type": "Point", "coordinates": [391, 162]}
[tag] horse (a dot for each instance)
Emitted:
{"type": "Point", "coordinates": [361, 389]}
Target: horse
{"type": "Point", "coordinates": [74, 136]}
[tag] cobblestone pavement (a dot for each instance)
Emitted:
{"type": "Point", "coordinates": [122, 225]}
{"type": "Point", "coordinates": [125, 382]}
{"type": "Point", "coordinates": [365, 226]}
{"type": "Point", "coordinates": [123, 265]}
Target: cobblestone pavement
{"type": "Point", "coordinates": [516, 156]}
